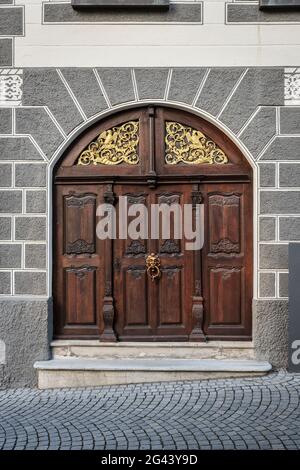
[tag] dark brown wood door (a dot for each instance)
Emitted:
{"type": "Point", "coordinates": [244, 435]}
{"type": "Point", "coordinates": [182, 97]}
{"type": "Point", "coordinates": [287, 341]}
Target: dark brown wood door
{"type": "Point", "coordinates": [101, 288]}
{"type": "Point", "coordinates": [227, 260]}
{"type": "Point", "coordinates": [159, 309]}
{"type": "Point", "coordinates": [78, 279]}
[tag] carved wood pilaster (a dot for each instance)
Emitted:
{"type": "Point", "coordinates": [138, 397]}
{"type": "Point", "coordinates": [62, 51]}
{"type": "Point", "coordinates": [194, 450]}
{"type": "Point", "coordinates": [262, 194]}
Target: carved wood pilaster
{"type": "Point", "coordinates": [152, 178]}
{"type": "Point", "coordinates": [197, 320]}
{"type": "Point", "coordinates": [108, 311]}
{"type": "Point", "coordinates": [197, 308]}
{"type": "Point", "coordinates": [109, 196]}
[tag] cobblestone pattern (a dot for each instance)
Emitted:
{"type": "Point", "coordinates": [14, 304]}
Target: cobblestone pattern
{"type": "Point", "coordinates": [257, 413]}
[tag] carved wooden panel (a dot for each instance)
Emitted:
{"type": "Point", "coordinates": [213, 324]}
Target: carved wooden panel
{"type": "Point", "coordinates": [224, 223]}
{"type": "Point", "coordinates": [80, 289]}
{"type": "Point", "coordinates": [135, 293]}
{"type": "Point", "coordinates": [168, 198]}
{"type": "Point", "coordinates": [170, 294]}
{"type": "Point", "coordinates": [78, 267]}
{"type": "Point", "coordinates": [225, 296]}
{"type": "Point", "coordinates": [227, 260]}
{"type": "Point", "coordinates": [135, 248]}
{"type": "Point", "coordinates": [136, 198]}
{"type": "Point", "coordinates": [170, 246]}
{"type": "Point", "coordinates": [79, 224]}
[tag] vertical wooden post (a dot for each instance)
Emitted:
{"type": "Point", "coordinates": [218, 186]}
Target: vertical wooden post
{"type": "Point", "coordinates": [151, 177]}
{"type": "Point", "coordinates": [197, 308]}
{"type": "Point", "coordinates": [108, 312]}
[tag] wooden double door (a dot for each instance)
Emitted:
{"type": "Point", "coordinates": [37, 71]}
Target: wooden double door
{"type": "Point", "coordinates": [104, 287]}
{"type": "Point", "coordinates": [159, 307]}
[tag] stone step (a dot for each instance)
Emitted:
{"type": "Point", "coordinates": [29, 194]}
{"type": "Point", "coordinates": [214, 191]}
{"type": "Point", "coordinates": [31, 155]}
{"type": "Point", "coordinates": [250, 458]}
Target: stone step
{"type": "Point", "coordinates": [93, 349]}
{"type": "Point", "coordinates": [74, 372]}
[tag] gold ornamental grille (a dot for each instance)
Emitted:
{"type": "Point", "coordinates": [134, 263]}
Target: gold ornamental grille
{"type": "Point", "coordinates": [113, 146]}
{"type": "Point", "coordinates": [187, 145]}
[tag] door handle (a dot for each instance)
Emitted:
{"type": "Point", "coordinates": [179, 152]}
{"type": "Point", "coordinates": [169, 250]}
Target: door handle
{"type": "Point", "coordinates": [153, 266]}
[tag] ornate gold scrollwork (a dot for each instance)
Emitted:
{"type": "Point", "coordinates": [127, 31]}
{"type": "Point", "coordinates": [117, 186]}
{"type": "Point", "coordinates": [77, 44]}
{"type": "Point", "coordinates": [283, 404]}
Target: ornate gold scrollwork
{"type": "Point", "coordinates": [113, 146]}
{"type": "Point", "coordinates": [153, 266]}
{"type": "Point", "coordinates": [187, 145]}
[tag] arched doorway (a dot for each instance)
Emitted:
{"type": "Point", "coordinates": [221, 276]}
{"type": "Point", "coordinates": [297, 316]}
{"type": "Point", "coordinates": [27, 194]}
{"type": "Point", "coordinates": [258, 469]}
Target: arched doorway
{"type": "Point", "coordinates": [101, 288]}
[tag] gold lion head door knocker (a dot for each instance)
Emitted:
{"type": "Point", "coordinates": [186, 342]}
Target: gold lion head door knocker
{"type": "Point", "coordinates": [153, 266]}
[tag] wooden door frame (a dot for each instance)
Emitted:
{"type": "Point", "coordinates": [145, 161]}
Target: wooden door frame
{"type": "Point", "coordinates": [197, 113]}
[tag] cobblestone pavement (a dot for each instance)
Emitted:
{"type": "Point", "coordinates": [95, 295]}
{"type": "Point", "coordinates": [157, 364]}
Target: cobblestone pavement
{"type": "Point", "coordinates": [257, 413]}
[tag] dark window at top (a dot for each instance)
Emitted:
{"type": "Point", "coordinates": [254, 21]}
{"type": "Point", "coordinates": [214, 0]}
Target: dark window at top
{"type": "Point", "coordinates": [282, 4]}
{"type": "Point", "coordinates": [89, 4]}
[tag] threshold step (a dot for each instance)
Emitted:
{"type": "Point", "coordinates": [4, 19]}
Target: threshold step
{"type": "Point", "coordinates": [73, 372]}
{"type": "Point", "coordinates": [93, 349]}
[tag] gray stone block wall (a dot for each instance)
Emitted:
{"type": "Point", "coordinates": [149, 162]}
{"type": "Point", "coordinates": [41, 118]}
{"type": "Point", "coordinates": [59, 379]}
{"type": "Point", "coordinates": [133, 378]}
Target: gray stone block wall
{"type": "Point", "coordinates": [10, 255]}
{"type": "Point", "coordinates": [26, 330]}
{"type": "Point", "coordinates": [273, 256]}
{"type": "Point", "coordinates": [5, 283]}
{"type": "Point", "coordinates": [11, 21]}
{"type": "Point", "coordinates": [30, 228]}
{"type": "Point", "coordinates": [185, 84]}
{"type": "Point", "coordinates": [111, 80]}
{"type": "Point", "coordinates": [35, 201]}
{"type": "Point", "coordinates": [35, 256]}
{"type": "Point", "coordinates": [5, 120]}
{"type": "Point", "coordinates": [11, 25]}
{"type": "Point", "coordinates": [151, 84]}
{"type": "Point", "coordinates": [290, 120]}
{"type": "Point", "coordinates": [85, 86]}
{"type": "Point", "coordinates": [267, 175]}
{"type": "Point", "coordinates": [5, 228]}
{"type": "Point", "coordinates": [6, 52]}
{"type": "Point", "coordinates": [5, 175]}
{"type": "Point", "coordinates": [289, 228]}
{"type": "Point", "coordinates": [280, 202]}
{"type": "Point", "coordinates": [30, 283]}
{"type": "Point", "coordinates": [10, 201]}
{"type": "Point", "coordinates": [267, 284]}
{"type": "Point", "coordinates": [270, 331]}
{"type": "Point", "coordinates": [217, 88]}
{"type": "Point", "coordinates": [18, 148]}
{"type": "Point", "coordinates": [23, 195]}
{"type": "Point", "coordinates": [289, 175]}
{"type": "Point", "coordinates": [257, 87]}
{"type": "Point", "coordinates": [267, 229]}
{"type": "Point", "coordinates": [253, 138]}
